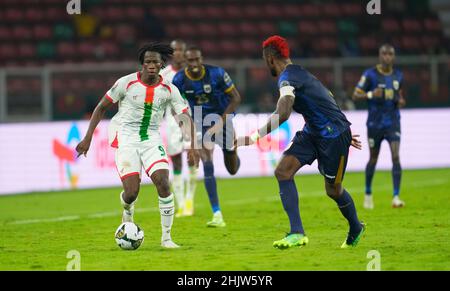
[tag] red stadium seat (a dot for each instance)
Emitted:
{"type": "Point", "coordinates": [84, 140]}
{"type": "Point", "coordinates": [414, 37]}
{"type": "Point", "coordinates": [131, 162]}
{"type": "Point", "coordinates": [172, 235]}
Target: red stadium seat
{"type": "Point", "coordinates": [42, 32]}
{"type": "Point", "coordinates": [7, 51]}
{"type": "Point", "coordinates": [229, 47]}
{"type": "Point", "coordinates": [307, 27]}
{"type": "Point", "coordinates": [291, 10]}
{"type": "Point", "coordinates": [86, 49]}
{"type": "Point", "coordinates": [34, 15]}
{"type": "Point", "coordinates": [252, 11]}
{"type": "Point", "coordinates": [172, 30]}
{"type": "Point", "coordinates": [5, 33]}
{"type": "Point", "coordinates": [135, 13]}
{"type": "Point", "coordinates": [331, 10]}
{"type": "Point", "coordinates": [411, 43]}
{"type": "Point", "coordinates": [251, 47]}
{"type": "Point", "coordinates": [187, 30]}
{"type": "Point", "coordinates": [390, 25]}
{"type": "Point", "coordinates": [272, 11]}
{"type": "Point", "coordinates": [22, 32]}
{"type": "Point", "coordinates": [411, 26]}
{"type": "Point", "coordinates": [227, 29]}
{"type": "Point", "coordinates": [193, 12]}
{"type": "Point", "coordinates": [233, 11]}
{"type": "Point", "coordinates": [327, 27]}
{"type": "Point", "coordinates": [207, 29]}
{"type": "Point", "coordinates": [27, 50]}
{"type": "Point", "coordinates": [368, 44]}
{"type": "Point", "coordinates": [213, 12]}
{"type": "Point", "coordinates": [209, 48]}
{"type": "Point", "coordinates": [66, 50]}
{"type": "Point", "coordinates": [248, 28]}
{"type": "Point", "coordinates": [432, 25]}
{"type": "Point", "coordinates": [310, 10]}
{"type": "Point", "coordinates": [13, 15]}
{"type": "Point", "coordinates": [267, 28]}
{"type": "Point", "coordinates": [354, 9]}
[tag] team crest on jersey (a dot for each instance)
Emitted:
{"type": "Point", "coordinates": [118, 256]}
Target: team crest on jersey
{"type": "Point", "coordinates": [396, 85]}
{"type": "Point", "coordinates": [207, 88]}
{"type": "Point", "coordinates": [226, 78]}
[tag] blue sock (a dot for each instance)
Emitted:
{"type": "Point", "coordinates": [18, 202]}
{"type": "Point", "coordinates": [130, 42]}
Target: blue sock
{"type": "Point", "coordinates": [289, 198]}
{"type": "Point", "coordinates": [370, 171]}
{"type": "Point", "coordinates": [348, 210]}
{"type": "Point", "coordinates": [210, 185]}
{"type": "Point", "coordinates": [396, 177]}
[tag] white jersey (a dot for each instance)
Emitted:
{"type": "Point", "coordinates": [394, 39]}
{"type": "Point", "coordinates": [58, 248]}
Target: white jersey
{"type": "Point", "coordinates": [141, 108]}
{"type": "Point", "coordinates": [168, 73]}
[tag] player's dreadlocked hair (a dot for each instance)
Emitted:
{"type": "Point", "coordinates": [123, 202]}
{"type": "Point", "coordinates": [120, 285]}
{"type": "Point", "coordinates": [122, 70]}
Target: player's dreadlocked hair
{"type": "Point", "coordinates": [278, 46]}
{"type": "Point", "coordinates": [164, 50]}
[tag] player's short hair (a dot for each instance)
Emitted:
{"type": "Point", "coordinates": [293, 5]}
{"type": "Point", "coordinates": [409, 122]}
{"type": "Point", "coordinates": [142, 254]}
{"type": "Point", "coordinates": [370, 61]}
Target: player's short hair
{"type": "Point", "coordinates": [180, 41]}
{"type": "Point", "coordinates": [194, 48]}
{"type": "Point", "coordinates": [164, 50]}
{"type": "Point", "coordinates": [277, 46]}
{"type": "Point", "coordinates": [386, 45]}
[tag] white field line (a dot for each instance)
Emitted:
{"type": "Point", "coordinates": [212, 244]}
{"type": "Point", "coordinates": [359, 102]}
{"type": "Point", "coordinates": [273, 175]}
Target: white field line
{"type": "Point", "coordinates": [273, 198]}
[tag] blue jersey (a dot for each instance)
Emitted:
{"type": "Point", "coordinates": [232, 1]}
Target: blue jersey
{"type": "Point", "coordinates": [383, 112]}
{"type": "Point", "coordinates": [209, 91]}
{"type": "Point", "coordinates": [322, 115]}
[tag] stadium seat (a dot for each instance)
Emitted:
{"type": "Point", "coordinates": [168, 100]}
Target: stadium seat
{"type": "Point", "coordinates": [248, 28]}
{"type": "Point", "coordinates": [22, 32]}
{"type": "Point", "coordinates": [331, 10]}
{"type": "Point", "coordinates": [5, 33]}
{"type": "Point", "coordinates": [327, 27]}
{"type": "Point", "coordinates": [267, 28]}
{"type": "Point", "coordinates": [412, 26]}
{"type": "Point", "coordinates": [66, 50]}
{"type": "Point", "coordinates": [13, 15]}
{"type": "Point", "coordinates": [390, 25]}
{"type": "Point", "coordinates": [227, 29]}
{"type": "Point", "coordinates": [27, 50]}
{"type": "Point", "coordinates": [232, 11]}
{"type": "Point", "coordinates": [207, 30]}
{"type": "Point", "coordinates": [42, 32]}
{"type": "Point", "coordinates": [33, 15]}
{"type": "Point", "coordinates": [307, 27]}
{"type": "Point", "coordinates": [252, 11]}
{"type": "Point", "coordinates": [209, 48]}
{"type": "Point", "coordinates": [310, 10]}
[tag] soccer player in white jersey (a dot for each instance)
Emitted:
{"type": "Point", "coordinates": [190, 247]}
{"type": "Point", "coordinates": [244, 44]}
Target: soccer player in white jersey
{"type": "Point", "coordinates": [143, 97]}
{"type": "Point", "coordinates": [175, 143]}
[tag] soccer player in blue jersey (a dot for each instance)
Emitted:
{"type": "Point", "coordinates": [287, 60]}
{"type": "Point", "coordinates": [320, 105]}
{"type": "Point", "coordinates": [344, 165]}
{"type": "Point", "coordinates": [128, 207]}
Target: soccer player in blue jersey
{"type": "Point", "coordinates": [213, 99]}
{"type": "Point", "coordinates": [326, 137]}
{"type": "Point", "coordinates": [381, 87]}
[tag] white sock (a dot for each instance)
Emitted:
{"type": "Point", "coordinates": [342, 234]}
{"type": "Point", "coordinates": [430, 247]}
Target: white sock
{"type": "Point", "coordinates": [191, 183]}
{"type": "Point", "coordinates": [166, 209]}
{"type": "Point", "coordinates": [129, 207]}
{"type": "Point", "coordinates": [178, 189]}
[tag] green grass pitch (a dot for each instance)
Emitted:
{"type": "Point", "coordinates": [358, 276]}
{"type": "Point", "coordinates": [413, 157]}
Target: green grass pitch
{"type": "Point", "coordinates": [38, 230]}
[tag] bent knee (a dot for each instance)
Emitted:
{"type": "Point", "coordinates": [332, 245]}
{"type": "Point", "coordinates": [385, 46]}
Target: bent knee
{"type": "Point", "coordinates": [283, 174]}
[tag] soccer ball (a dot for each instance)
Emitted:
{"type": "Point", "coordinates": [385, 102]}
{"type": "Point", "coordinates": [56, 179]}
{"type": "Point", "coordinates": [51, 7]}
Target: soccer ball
{"type": "Point", "coordinates": [129, 236]}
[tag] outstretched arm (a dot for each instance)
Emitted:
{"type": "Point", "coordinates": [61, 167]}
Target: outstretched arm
{"type": "Point", "coordinates": [281, 114]}
{"type": "Point", "coordinates": [99, 112]}
{"type": "Point", "coordinates": [187, 125]}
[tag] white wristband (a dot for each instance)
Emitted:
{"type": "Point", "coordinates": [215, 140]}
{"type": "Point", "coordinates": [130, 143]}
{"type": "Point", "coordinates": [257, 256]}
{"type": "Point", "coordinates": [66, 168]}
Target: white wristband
{"type": "Point", "coordinates": [369, 95]}
{"type": "Point", "coordinates": [254, 136]}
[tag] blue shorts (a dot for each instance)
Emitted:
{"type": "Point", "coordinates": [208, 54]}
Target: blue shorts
{"type": "Point", "coordinates": [224, 138]}
{"type": "Point", "coordinates": [331, 153]}
{"type": "Point", "coordinates": [377, 135]}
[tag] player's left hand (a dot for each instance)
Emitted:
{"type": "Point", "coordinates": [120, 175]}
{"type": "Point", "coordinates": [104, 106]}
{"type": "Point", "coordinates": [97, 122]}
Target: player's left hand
{"type": "Point", "coordinates": [193, 157]}
{"type": "Point", "coordinates": [356, 143]}
{"type": "Point", "coordinates": [401, 102]}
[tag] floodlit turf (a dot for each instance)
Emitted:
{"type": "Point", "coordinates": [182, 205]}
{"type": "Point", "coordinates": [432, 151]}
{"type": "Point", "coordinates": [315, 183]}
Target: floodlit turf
{"type": "Point", "coordinates": [38, 230]}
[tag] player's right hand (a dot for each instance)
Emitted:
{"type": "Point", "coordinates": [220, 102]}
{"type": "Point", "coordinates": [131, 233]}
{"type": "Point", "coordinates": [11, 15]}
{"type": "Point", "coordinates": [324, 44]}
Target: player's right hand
{"type": "Point", "coordinates": [378, 93]}
{"type": "Point", "coordinates": [193, 157]}
{"type": "Point", "coordinates": [83, 147]}
{"type": "Point", "coordinates": [356, 143]}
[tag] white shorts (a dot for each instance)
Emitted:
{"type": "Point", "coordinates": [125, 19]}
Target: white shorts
{"type": "Point", "coordinates": [130, 159]}
{"type": "Point", "coordinates": [175, 142]}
